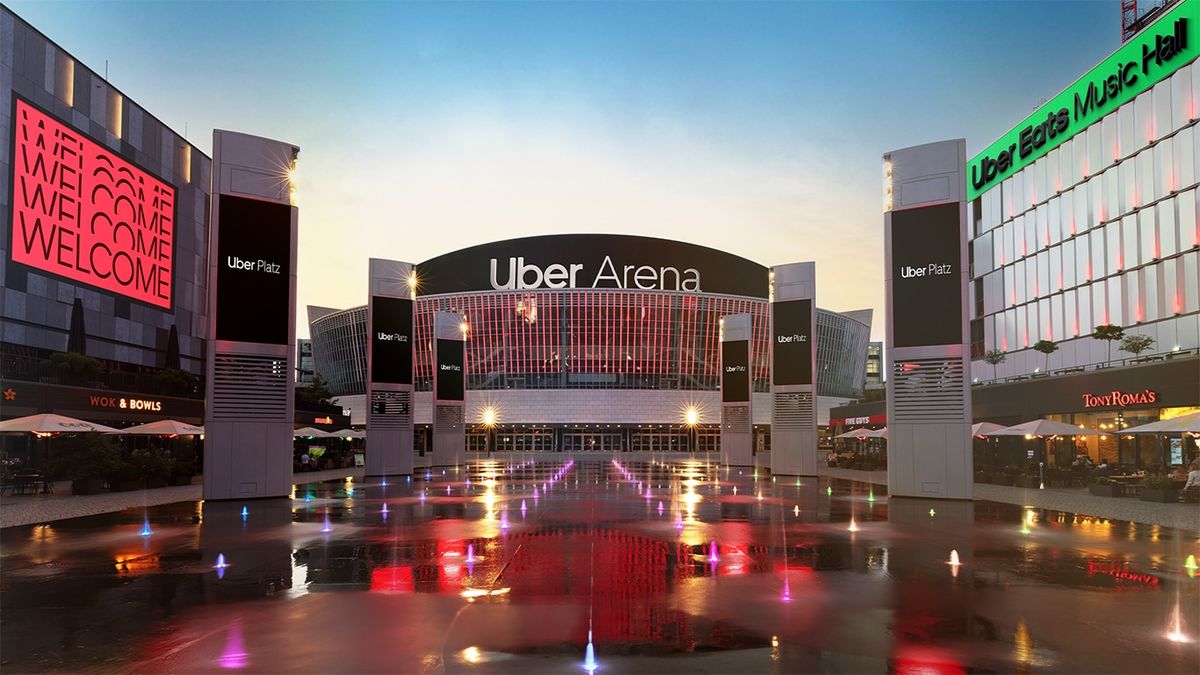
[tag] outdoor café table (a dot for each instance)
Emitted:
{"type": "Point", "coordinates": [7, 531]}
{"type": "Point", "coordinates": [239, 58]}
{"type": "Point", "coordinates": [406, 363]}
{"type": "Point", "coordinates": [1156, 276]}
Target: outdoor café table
{"type": "Point", "coordinates": [1129, 484]}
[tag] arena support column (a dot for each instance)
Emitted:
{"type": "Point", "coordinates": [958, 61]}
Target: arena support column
{"type": "Point", "coordinates": [793, 366]}
{"type": "Point", "coordinates": [249, 412]}
{"type": "Point", "coordinates": [928, 369]}
{"type": "Point", "coordinates": [449, 386]}
{"type": "Point", "coordinates": [392, 287]}
{"type": "Point", "coordinates": [737, 428]}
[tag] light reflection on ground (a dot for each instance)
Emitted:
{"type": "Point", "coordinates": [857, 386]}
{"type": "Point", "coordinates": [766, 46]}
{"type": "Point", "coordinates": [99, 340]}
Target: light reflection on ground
{"type": "Point", "coordinates": [451, 574]}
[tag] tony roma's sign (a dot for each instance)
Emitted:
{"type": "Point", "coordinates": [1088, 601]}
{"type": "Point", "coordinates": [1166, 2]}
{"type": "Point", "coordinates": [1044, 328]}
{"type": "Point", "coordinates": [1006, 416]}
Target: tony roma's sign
{"type": "Point", "coordinates": [1153, 55]}
{"type": "Point", "coordinates": [592, 261]}
{"type": "Point", "coordinates": [1120, 399]}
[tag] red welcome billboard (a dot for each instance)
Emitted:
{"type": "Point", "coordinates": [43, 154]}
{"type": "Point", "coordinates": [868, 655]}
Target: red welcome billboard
{"type": "Point", "coordinates": [83, 213]}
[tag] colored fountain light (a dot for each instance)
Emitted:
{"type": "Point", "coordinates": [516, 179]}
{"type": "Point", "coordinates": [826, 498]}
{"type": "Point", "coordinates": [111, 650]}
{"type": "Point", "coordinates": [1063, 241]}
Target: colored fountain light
{"type": "Point", "coordinates": [713, 556]}
{"type": "Point", "coordinates": [233, 655]}
{"type": "Point", "coordinates": [796, 510]}
{"type": "Point", "coordinates": [221, 565]}
{"type": "Point", "coordinates": [954, 563]}
{"type": "Point", "coordinates": [679, 522]}
{"type": "Point", "coordinates": [853, 526]}
{"type": "Point", "coordinates": [871, 496]}
{"type": "Point", "coordinates": [470, 553]}
{"type": "Point", "coordinates": [932, 513]}
{"type": "Point", "coordinates": [589, 657]}
{"type": "Point", "coordinates": [327, 528]}
{"type": "Point", "coordinates": [384, 511]}
{"type": "Point", "coordinates": [660, 507]}
{"type": "Point", "coordinates": [245, 513]}
{"type": "Point", "coordinates": [829, 490]}
{"type": "Point", "coordinates": [1175, 629]}
{"type": "Point", "coordinates": [145, 528]}
{"type": "Point", "coordinates": [787, 588]}
{"type": "Point", "coordinates": [308, 497]}
{"type": "Point", "coordinates": [1190, 566]}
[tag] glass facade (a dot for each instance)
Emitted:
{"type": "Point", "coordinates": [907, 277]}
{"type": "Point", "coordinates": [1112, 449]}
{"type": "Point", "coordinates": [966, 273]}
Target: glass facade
{"type": "Point", "coordinates": [594, 339]}
{"type": "Point", "coordinates": [1103, 229]}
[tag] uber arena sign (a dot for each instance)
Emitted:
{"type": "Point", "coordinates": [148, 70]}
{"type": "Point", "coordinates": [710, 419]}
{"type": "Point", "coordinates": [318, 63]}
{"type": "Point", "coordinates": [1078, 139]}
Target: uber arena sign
{"type": "Point", "coordinates": [521, 275]}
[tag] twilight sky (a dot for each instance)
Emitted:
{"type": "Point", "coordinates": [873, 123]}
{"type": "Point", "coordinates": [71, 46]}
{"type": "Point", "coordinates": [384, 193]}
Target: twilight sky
{"type": "Point", "coordinates": [756, 128]}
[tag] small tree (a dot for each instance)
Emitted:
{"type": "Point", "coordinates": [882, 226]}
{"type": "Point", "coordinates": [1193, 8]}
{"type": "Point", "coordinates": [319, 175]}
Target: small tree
{"type": "Point", "coordinates": [1046, 347]}
{"type": "Point", "coordinates": [316, 392]}
{"type": "Point", "coordinates": [1136, 344]}
{"type": "Point", "coordinates": [994, 357]}
{"type": "Point", "coordinates": [72, 368]}
{"type": "Point", "coordinates": [1109, 333]}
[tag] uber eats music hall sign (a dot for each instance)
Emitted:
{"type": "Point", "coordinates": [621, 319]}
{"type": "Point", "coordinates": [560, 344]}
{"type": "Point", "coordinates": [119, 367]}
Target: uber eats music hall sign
{"type": "Point", "coordinates": [1168, 44]}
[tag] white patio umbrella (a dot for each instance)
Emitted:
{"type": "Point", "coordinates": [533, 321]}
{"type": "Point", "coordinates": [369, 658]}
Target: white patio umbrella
{"type": "Point", "coordinates": [875, 433]}
{"type": "Point", "coordinates": [1042, 428]}
{"type": "Point", "coordinates": [1175, 425]}
{"type": "Point", "coordinates": [853, 433]}
{"type": "Point", "coordinates": [982, 428]}
{"type": "Point", "coordinates": [313, 432]}
{"type": "Point", "coordinates": [161, 428]}
{"type": "Point", "coordinates": [49, 423]}
{"type": "Point", "coordinates": [349, 433]}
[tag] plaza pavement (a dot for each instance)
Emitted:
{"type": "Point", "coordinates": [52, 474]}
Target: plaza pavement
{"type": "Point", "coordinates": [61, 504]}
{"type": "Point", "coordinates": [1069, 500]}
{"type": "Point", "coordinates": [30, 509]}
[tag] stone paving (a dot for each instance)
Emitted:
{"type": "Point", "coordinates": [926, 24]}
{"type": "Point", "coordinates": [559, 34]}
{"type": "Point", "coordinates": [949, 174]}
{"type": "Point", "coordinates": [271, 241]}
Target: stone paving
{"type": "Point", "coordinates": [1070, 500]}
{"type": "Point", "coordinates": [61, 504]}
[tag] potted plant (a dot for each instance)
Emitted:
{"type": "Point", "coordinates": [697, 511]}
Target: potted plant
{"type": "Point", "coordinates": [124, 476]}
{"type": "Point", "coordinates": [182, 472]}
{"type": "Point", "coordinates": [85, 459]}
{"type": "Point", "coordinates": [1103, 486]}
{"type": "Point", "coordinates": [151, 467]}
{"type": "Point", "coordinates": [1157, 487]}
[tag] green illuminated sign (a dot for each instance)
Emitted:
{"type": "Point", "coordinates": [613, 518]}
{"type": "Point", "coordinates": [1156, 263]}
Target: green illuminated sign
{"type": "Point", "coordinates": [1159, 50]}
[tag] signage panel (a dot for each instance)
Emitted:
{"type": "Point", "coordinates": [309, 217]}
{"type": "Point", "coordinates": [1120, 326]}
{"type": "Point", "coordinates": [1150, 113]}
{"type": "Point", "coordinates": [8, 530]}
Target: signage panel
{"type": "Point", "coordinates": [391, 340]}
{"type": "Point", "coordinates": [1151, 56]}
{"type": "Point", "coordinates": [83, 213]}
{"type": "Point", "coordinates": [583, 261]}
{"type": "Point", "coordinates": [735, 368]}
{"type": "Point", "coordinates": [450, 370]}
{"type": "Point", "coordinates": [926, 280]}
{"type": "Point", "coordinates": [253, 270]}
{"type": "Point", "coordinates": [791, 361]}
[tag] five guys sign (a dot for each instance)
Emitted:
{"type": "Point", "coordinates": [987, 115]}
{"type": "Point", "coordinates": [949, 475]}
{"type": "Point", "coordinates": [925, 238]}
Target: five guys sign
{"type": "Point", "coordinates": [83, 213]}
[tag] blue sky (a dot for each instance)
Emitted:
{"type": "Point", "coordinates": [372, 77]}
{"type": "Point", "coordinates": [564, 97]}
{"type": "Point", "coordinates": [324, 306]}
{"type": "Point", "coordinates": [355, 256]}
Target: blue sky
{"type": "Point", "coordinates": [756, 128]}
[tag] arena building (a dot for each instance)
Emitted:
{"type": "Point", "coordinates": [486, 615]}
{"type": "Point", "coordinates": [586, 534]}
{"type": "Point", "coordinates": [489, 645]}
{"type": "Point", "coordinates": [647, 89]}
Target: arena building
{"type": "Point", "coordinates": [591, 342]}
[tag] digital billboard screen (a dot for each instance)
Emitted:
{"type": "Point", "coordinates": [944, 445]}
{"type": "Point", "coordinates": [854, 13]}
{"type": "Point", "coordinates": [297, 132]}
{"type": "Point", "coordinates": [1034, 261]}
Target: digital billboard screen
{"type": "Point", "coordinates": [926, 279]}
{"type": "Point", "coordinates": [83, 213]}
{"type": "Point", "coordinates": [254, 267]}
{"type": "Point", "coordinates": [735, 371]}
{"type": "Point", "coordinates": [791, 357]}
{"type": "Point", "coordinates": [449, 370]}
{"type": "Point", "coordinates": [391, 340]}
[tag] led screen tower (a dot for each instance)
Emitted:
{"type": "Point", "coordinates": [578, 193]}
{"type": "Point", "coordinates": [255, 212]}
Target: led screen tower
{"type": "Point", "coordinates": [390, 368]}
{"type": "Point", "coordinates": [252, 327]}
{"type": "Point", "coordinates": [449, 387]}
{"type": "Point", "coordinates": [793, 366]}
{"type": "Point", "coordinates": [928, 381]}
{"type": "Point", "coordinates": [737, 428]}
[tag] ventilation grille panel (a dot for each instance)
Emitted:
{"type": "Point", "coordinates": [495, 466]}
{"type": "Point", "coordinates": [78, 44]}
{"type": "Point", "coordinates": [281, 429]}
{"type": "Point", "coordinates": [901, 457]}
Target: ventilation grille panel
{"type": "Point", "coordinates": [250, 388]}
{"type": "Point", "coordinates": [793, 412]}
{"type": "Point", "coordinates": [929, 390]}
{"type": "Point", "coordinates": [735, 419]}
{"type": "Point", "coordinates": [390, 410]}
{"type": "Point", "coordinates": [447, 418]}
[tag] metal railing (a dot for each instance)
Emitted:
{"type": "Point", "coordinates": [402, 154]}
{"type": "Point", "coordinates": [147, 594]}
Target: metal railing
{"type": "Point", "coordinates": [1102, 365]}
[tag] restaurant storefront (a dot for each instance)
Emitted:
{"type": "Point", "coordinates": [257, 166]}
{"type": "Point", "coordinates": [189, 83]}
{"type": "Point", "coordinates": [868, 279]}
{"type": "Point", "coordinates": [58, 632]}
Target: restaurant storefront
{"type": "Point", "coordinates": [1108, 400]}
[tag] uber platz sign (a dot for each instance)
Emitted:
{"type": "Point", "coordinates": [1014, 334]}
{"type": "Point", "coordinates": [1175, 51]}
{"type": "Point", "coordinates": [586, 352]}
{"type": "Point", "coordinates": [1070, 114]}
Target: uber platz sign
{"type": "Point", "coordinates": [926, 279]}
{"type": "Point", "coordinates": [791, 349]}
{"type": "Point", "coordinates": [391, 340]}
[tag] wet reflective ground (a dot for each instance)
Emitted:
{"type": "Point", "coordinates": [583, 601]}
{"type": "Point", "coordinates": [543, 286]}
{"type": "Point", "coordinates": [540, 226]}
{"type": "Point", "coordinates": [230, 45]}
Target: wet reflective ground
{"type": "Point", "coordinates": [669, 568]}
